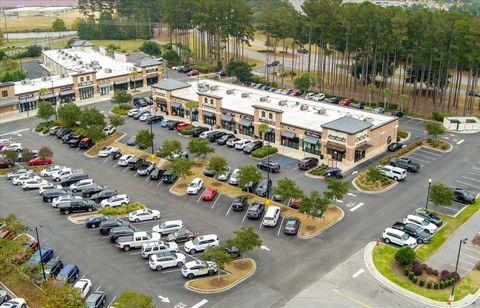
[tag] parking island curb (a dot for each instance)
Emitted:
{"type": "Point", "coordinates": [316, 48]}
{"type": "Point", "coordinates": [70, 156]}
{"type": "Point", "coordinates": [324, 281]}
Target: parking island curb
{"type": "Point", "coordinates": [368, 259]}
{"type": "Point", "coordinates": [307, 237]}
{"type": "Point", "coordinates": [219, 290]}
{"type": "Point", "coordinates": [373, 192]}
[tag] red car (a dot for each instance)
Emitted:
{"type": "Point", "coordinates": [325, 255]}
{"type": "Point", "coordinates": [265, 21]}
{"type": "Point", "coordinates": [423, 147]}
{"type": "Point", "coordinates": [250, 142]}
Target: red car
{"type": "Point", "coordinates": [183, 125]}
{"type": "Point", "coordinates": [40, 161]}
{"type": "Point", "coordinates": [209, 194]}
{"type": "Point", "coordinates": [345, 102]}
{"type": "Point", "coordinates": [295, 93]}
{"type": "Point", "coordinates": [192, 73]}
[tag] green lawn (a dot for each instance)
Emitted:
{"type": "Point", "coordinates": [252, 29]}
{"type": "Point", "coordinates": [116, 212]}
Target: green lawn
{"type": "Point", "coordinates": [383, 256]}
{"type": "Point", "coordinates": [451, 224]}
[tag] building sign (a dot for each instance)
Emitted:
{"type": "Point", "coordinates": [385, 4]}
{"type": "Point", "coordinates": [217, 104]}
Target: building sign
{"type": "Point", "coordinates": [66, 88]}
{"type": "Point", "coordinates": [312, 134]}
{"type": "Point", "coordinates": [161, 93]}
{"type": "Point", "coordinates": [85, 84]}
{"type": "Point", "coordinates": [361, 137]}
{"type": "Point", "coordinates": [25, 96]}
{"type": "Point", "coordinates": [337, 138]}
{"type": "Point", "coordinates": [246, 117]}
{"type": "Point", "coordinates": [267, 121]}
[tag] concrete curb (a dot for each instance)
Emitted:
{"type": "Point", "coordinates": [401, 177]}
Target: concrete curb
{"type": "Point", "coordinates": [367, 256]}
{"type": "Point", "coordinates": [373, 192]}
{"type": "Point", "coordinates": [254, 268]}
{"type": "Point", "coordinates": [307, 237]}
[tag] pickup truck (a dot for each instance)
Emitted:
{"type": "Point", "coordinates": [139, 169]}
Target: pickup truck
{"type": "Point", "coordinates": [137, 240]}
{"type": "Point", "coordinates": [145, 168]}
{"type": "Point", "coordinates": [414, 231]}
{"type": "Point", "coordinates": [405, 163]}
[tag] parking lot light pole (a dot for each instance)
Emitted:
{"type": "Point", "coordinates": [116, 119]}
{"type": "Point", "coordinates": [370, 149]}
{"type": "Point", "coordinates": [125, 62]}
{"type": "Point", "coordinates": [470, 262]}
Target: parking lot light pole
{"type": "Point", "coordinates": [428, 194]}
{"type": "Point", "coordinates": [464, 241]}
{"type": "Point", "coordinates": [40, 252]}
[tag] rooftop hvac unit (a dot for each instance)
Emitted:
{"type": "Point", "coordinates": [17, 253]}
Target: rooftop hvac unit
{"type": "Point", "coordinates": [304, 107]}
{"type": "Point", "coordinates": [264, 99]}
{"type": "Point", "coordinates": [283, 103]}
{"type": "Point", "coordinates": [244, 95]}
{"type": "Point", "coordinates": [108, 70]}
{"type": "Point", "coordinates": [231, 91]}
{"type": "Point", "coordinates": [322, 111]}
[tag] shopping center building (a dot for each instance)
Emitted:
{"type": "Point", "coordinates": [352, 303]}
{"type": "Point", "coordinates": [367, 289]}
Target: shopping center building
{"type": "Point", "coordinates": [79, 73]}
{"type": "Point", "coordinates": [330, 131]}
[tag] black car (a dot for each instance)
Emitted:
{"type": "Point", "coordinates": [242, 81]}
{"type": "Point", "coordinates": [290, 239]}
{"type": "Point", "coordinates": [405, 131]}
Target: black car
{"type": "Point", "coordinates": [393, 147]}
{"type": "Point", "coordinates": [126, 230]}
{"type": "Point", "coordinates": [154, 119]}
{"type": "Point", "coordinates": [172, 124]}
{"type": "Point", "coordinates": [77, 206]}
{"type": "Point", "coordinates": [398, 114]}
{"type": "Point", "coordinates": [196, 131]}
{"type": "Point", "coordinates": [255, 211]}
{"type": "Point", "coordinates": [169, 176]}
{"type": "Point", "coordinates": [156, 174]}
{"type": "Point", "coordinates": [223, 140]}
{"type": "Point", "coordinates": [51, 194]}
{"type": "Point", "coordinates": [116, 154]}
{"type": "Point", "coordinates": [91, 189]}
{"type": "Point", "coordinates": [308, 163]}
{"type": "Point", "coordinates": [52, 268]}
{"type": "Point", "coordinates": [213, 136]}
{"type": "Point", "coordinates": [107, 225]}
{"type": "Point", "coordinates": [291, 226]}
{"type": "Point", "coordinates": [96, 299]}
{"type": "Point", "coordinates": [464, 196]}
{"type": "Point", "coordinates": [94, 222]}
{"type": "Point", "coordinates": [103, 194]}
{"type": "Point", "coordinates": [240, 202]}
{"type": "Point", "coordinates": [271, 166]}
{"type": "Point", "coordinates": [252, 146]}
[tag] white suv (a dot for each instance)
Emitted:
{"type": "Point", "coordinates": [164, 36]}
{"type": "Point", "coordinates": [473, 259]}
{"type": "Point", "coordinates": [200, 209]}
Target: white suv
{"type": "Point", "coordinates": [80, 184]}
{"type": "Point", "coordinates": [168, 227]}
{"type": "Point", "coordinates": [195, 186]}
{"type": "Point", "coordinates": [395, 173]}
{"type": "Point", "coordinates": [152, 248]}
{"type": "Point", "coordinates": [123, 161]}
{"type": "Point", "coordinates": [198, 268]}
{"type": "Point", "coordinates": [166, 259]}
{"type": "Point", "coordinates": [201, 243]}
{"type": "Point", "coordinates": [398, 237]}
{"type": "Point", "coordinates": [114, 201]}
{"type": "Point", "coordinates": [421, 222]}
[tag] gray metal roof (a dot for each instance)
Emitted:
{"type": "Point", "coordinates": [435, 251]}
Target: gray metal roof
{"type": "Point", "coordinates": [347, 125]}
{"type": "Point", "coordinates": [171, 84]}
{"type": "Point", "coordinates": [82, 43]}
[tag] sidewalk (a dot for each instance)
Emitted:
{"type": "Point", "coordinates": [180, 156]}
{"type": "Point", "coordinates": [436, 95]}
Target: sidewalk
{"type": "Point", "coordinates": [446, 256]}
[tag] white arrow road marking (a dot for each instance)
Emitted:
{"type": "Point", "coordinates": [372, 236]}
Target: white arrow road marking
{"type": "Point", "coordinates": [265, 248]}
{"type": "Point", "coordinates": [360, 271]}
{"type": "Point", "coordinates": [164, 299]}
{"type": "Point", "coordinates": [356, 207]}
{"type": "Point", "coordinates": [200, 303]}
{"type": "Point", "coordinates": [14, 132]}
{"type": "Point", "coordinates": [460, 141]}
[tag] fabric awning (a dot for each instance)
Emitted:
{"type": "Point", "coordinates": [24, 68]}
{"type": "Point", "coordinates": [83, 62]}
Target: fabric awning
{"type": "Point", "coordinates": [288, 134]}
{"type": "Point", "coordinates": [311, 139]}
{"type": "Point", "coordinates": [121, 82]}
{"type": "Point", "coordinates": [227, 118]}
{"type": "Point", "coordinates": [336, 147]}
{"type": "Point", "coordinates": [47, 96]}
{"type": "Point", "coordinates": [245, 122]}
{"type": "Point", "coordinates": [364, 147]}
{"type": "Point", "coordinates": [176, 105]}
{"type": "Point", "coordinates": [69, 92]}
{"type": "Point", "coordinates": [208, 114]}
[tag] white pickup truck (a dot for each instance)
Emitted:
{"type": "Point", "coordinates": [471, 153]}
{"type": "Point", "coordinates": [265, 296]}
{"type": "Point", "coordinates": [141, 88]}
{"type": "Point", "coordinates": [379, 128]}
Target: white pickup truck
{"type": "Point", "coordinates": [137, 240]}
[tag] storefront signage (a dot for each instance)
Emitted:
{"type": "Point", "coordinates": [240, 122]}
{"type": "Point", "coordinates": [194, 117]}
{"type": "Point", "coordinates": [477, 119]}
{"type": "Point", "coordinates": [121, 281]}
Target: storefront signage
{"type": "Point", "coordinates": [85, 84]}
{"type": "Point", "coordinates": [246, 117]}
{"type": "Point", "coordinates": [66, 88]}
{"type": "Point", "coordinates": [361, 137]}
{"type": "Point", "coordinates": [25, 96]}
{"type": "Point", "coordinates": [267, 121]}
{"type": "Point", "coordinates": [312, 134]}
{"type": "Point", "coordinates": [337, 138]}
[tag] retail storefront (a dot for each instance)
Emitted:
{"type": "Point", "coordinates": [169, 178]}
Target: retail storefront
{"type": "Point", "coordinates": [105, 89]}
{"type": "Point", "coordinates": [120, 85]}
{"type": "Point", "coordinates": [178, 110]}
{"type": "Point", "coordinates": [290, 139]}
{"type": "Point", "coordinates": [311, 143]}
{"type": "Point", "coordinates": [209, 118]}
{"type": "Point", "coordinates": [228, 122]}
{"type": "Point", "coordinates": [245, 126]}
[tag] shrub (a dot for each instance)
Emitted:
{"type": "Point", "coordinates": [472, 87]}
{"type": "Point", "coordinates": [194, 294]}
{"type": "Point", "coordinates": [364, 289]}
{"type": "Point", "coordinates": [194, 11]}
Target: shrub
{"type": "Point", "coordinates": [429, 270]}
{"type": "Point", "coordinates": [414, 278]}
{"type": "Point", "coordinates": [121, 210]}
{"type": "Point", "coordinates": [445, 275]}
{"type": "Point", "coordinates": [429, 285]}
{"type": "Point", "coordinates": [264, 151]}
{"type": "Point", "coordinates": [119, 110]}
{"type": "Point", "coordinates": [436, 285]}
{"type": "Point", "coordinates": [421, 282]}
{"type": "Point", "coordinates": [402, 134]}
{"type": "Point", "coordinates": [186, 131]}
{"type": "Point", "coordinates": [417, 269]}
{"type": "Point", "coordinates": [401, 152]}
{"type": "Point", "coordinates": [320, 171]}
{"type": "Point", "coordinates": [435, 272]}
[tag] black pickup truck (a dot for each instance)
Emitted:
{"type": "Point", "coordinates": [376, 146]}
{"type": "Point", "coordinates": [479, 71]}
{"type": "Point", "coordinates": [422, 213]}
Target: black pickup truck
{"type": "Point", "coordinates": [414, 231]}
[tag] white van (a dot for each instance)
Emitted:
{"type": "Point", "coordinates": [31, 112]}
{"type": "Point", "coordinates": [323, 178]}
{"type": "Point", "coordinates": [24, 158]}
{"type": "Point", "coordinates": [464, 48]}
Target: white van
{"type": "Point", "coordinates": [271, 217]}
{"type": "Point", "coordinates": [392, 172]}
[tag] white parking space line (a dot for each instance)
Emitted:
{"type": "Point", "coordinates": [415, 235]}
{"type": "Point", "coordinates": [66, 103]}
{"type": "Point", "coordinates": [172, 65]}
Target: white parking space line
{"type": "Point", "coordinates": [478, 187]}
{"type": "Point", "coordinates": [215, 202]}
{"type": "Point", "coordinates": [280, 228]}
{"type": "Point", "coordinates": [460, 141]}
{"type": "Point", "coordinates": [245, 216]}
{"type": "Point", "coordinates": [230, 208]}
{"type": "Point", "coordinates": [114, 298]}
{"type": "Point", "coordinates": [472, 179]}
{"type": "Point", "coordinates": [428, 152]}
{"type": "Point", "coordinates": [358, 273]}
{"type": "Point", "coordinates": [356, 207]}
{"type": "Point", "coordinates": [200, 304]}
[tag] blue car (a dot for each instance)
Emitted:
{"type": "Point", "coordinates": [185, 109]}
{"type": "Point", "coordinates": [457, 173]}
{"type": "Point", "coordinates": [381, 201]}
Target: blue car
{"type": "Point", "coordinates": [94, 222]}
{"type": "Point", "coordinates": [47, 254]}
